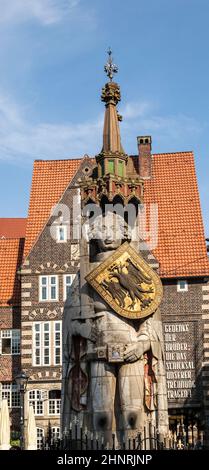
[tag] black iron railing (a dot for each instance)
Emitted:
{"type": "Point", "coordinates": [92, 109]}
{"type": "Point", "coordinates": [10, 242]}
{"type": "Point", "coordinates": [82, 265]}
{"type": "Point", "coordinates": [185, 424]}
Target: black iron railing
{"type": "Point", "coordinates": [78, 438]}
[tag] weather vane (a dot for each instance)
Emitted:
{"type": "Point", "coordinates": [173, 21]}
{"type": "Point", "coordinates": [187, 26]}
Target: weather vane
{"type": "Point", "coordinates": [110, 68]}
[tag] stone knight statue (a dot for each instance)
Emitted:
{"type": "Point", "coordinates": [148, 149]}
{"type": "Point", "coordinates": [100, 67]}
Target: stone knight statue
{"type": "Point", "coordinates": [114, 366]}
{"type": "Point", "coordinates": [113, 362]}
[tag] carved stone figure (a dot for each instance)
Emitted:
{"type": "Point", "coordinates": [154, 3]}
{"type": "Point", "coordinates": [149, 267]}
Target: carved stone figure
{"type": "Point", "coordinates": [113, 357]}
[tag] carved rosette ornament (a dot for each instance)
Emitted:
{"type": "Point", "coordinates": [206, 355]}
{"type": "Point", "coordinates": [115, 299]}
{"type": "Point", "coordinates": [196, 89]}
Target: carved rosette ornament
{"type": "Point", "coordinates": [127, 283]}
{"type": "Point", "coordinates": [111, 93]}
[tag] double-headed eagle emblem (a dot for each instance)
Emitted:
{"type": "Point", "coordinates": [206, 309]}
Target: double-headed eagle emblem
{"type": "Point", "coordinates": [127, 283]}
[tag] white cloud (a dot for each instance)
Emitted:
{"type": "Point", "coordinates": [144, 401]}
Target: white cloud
{"type": "Point", "coordinates": [22, 141]}
{"type": "Point", "coordinates": [170, 132]}
{"type": "Point", "coordinates": [44, 11]}
{"type": "Point", "coordinates": [135, 110]}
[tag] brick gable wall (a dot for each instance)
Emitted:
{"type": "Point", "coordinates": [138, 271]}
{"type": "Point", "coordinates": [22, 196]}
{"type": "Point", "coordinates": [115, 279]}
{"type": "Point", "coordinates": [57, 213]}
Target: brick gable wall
{"type": "Point", "coordinates": [46, 258]}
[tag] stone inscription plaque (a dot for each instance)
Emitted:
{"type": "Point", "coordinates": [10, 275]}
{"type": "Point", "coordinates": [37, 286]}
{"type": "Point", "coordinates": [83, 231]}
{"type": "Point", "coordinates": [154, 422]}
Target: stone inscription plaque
{"type": "Point", "coordinates": [180, 360]}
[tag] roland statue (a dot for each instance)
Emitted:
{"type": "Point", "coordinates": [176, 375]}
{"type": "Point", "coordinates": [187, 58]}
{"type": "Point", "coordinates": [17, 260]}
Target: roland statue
{"type": "Point", "coordinates": [113, 371]}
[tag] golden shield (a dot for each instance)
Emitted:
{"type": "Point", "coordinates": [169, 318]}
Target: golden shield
{"type": "Point", "coordinates": [127, 283]}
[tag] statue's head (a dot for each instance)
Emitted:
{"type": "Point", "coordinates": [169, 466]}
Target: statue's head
{"type": "Point", "coordinates": [109, 231]}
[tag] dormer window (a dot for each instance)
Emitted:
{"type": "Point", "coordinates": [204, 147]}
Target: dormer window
{"type": "Point", "coordinates": [182, 285]}
{"type": "Point", "coordinates": [61, 233]}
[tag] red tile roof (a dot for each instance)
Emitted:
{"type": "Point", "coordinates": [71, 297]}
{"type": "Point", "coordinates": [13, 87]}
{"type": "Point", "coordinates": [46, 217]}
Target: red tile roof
{"type": "Point", "coordinates": [50, 179]}
{"type": "Point", "coordinates": [11, 253]}
{"type": "Point", "coordinates": [181, 249]}
{"type": "Point", "coordinates": [12, 228]}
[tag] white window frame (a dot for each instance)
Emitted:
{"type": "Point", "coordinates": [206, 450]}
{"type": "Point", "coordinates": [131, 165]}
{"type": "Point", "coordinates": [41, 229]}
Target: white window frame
{"type": "Point", "coordinates": [48, 288]}
{"type": "Point", "coordinates": [39, 438]}
{"type": "Point", "coordinates": [57, 405]}
{"type": "Point", "coordinates": [8, 392]}
{"type": "Point", "coordinates": [65, 285]}
{"type": "Point", "coordinates": [10, 334]}
{"type": "Point", "coordinates": [55, 432]}
{"type": "Point", "coordinates": [58, 322]}
{"type": "Point", "coordinates": [42, 346]}
{"type": "Point", "coordinates": [35, 347]}
{"type": "Point", "coordinates": [35, 401]}
{"type": "Point", "coordinates": [38, 343]}
{"type": "Point", "coordinates": [64, 227]}
{"type": "Point", "coordinates": [185, 288]}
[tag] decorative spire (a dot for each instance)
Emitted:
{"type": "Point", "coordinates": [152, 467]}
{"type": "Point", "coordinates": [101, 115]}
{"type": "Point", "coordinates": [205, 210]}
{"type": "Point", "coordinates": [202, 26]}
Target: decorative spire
{"type": "Point", "coordinates": [110, 68]}
{"type": "Point", "coordinates": [111, 96]}
{"type": "Point", "coordinates": [110, 180]}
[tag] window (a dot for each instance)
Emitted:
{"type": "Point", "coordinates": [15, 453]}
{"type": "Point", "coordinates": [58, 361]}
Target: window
{"type": "Point", "coordinates": [57, 343]}
{"type": "Point", "coordinates": [182, 285]}
{"type": "Point", "coordinates": [102, 167]}
{"type": "Point", "coordinates": [41, 344]}
{"type": "Point", "coordinates": [61, 233]}
{"type": "Point", "coordinates": [111, 166]}
{"type": "Point", "coordinates": [54, 402]}
{"type": "Point", "coordinates": [67, 283]}
{"type": "Point", "coordinates": [11, 393]}
{"type": "Point", "coordinates": [48, 289]}
{"type": "Point", "coordinates": [36, 399]}
{"type": "Point", "coordinates": [37, 344]}
{"type": "Point", "coordinates": [55, 433]}
{"type": "Point", "coordinates": [40, 437]}
{"type": "Point", "coordinates": [10, 342]}
{"type": "Point", "coordinates": [47, 344]}
{"type": "Point", "coordinates": [120, 168]}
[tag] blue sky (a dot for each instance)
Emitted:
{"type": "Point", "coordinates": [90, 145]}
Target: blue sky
{"type": "Point", "coordinates": [52, 57]}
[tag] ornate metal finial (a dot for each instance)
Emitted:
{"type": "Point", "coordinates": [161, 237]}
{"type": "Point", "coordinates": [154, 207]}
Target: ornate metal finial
{"type": "Point", "coordinates": [110, 68]}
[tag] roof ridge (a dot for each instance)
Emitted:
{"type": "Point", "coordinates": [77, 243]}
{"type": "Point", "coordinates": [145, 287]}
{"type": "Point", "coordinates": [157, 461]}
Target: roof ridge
{"type": "Point", "coordinates": [11, 238]}
{"type": "Point", "coordinates": [93, 157]}
{"type": "Point", "coordinates": [175, 153]}
{"type": "Point", "coordinates": [12, 218]}
{"type": "Point", "coordinates": [62, 159]}
{"type": "Point", "coordinates": [185, 152]}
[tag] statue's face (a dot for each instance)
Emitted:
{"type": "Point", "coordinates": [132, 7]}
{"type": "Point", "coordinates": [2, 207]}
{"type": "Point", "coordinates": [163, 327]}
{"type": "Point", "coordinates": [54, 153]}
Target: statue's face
{"type": "Point", "coordinates": [107, 238]}
{"type": "Point", "coordinates": [109, 232]}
